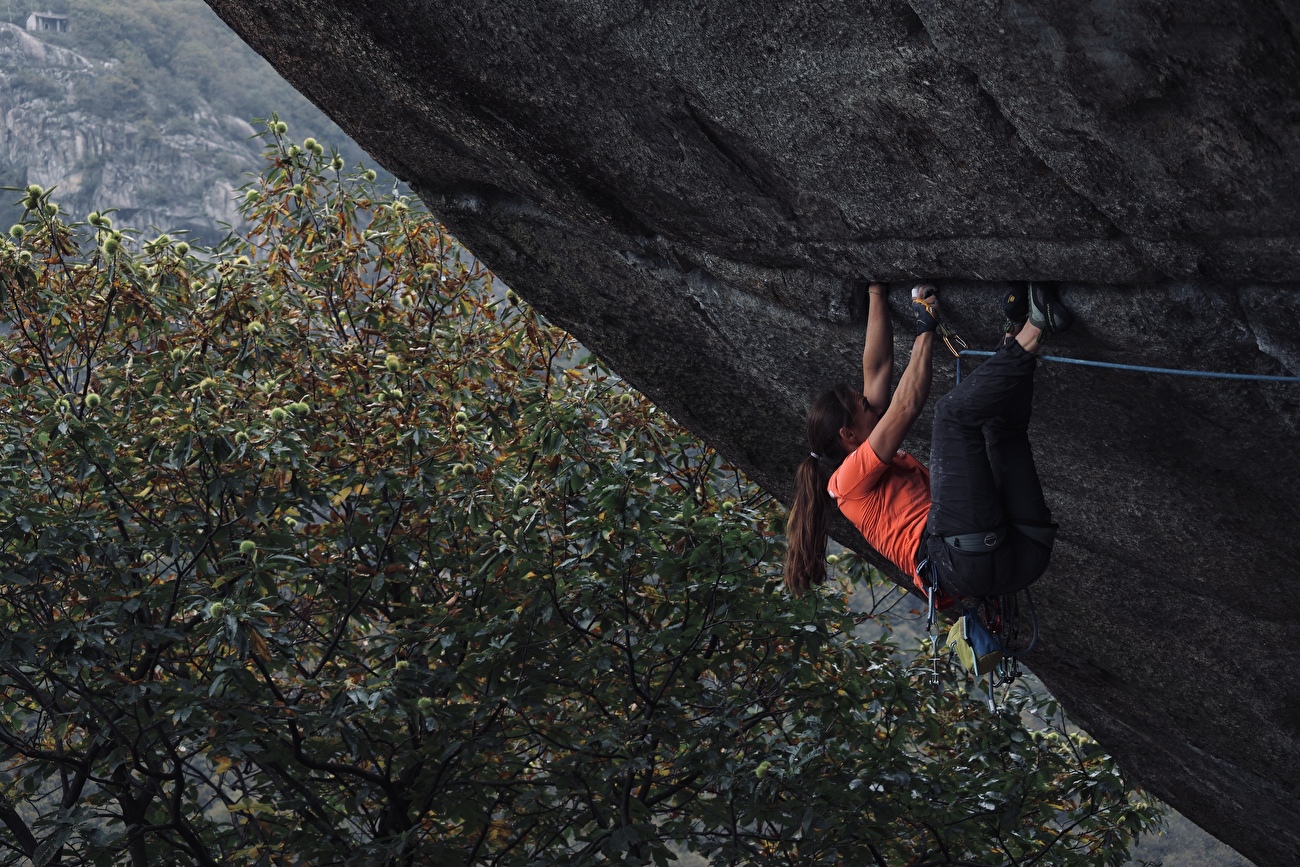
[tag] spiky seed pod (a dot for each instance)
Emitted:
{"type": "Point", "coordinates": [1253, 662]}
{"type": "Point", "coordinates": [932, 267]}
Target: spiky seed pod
{"type": "Point", "coordinates": [178, 354]}
{"type": "Point", "coordinates": [252, 196]}
{"type": "Point", "coordinates": [337, 163]}
{"type": "Point", "coordinates": [92, 400]}
{"type": "Point", "coordinates": [300, 408]}
{"type": "Point", "coordinates": [309, 144]}
{"type": "Point", "coordinates": [242, 261]}
{"type": "Point", "coordinates": [182, 249]}
{"type": "Point", "coordinates": [35, 190]}
{"type": "Point", "coordinates": [461, 417]}
{"type": "Point", "coordinates": [298, 191]}
{"type": "Point", "coordinates": [254, 327]}
{"type": "Point", "coordinates": [17, 231]}
{"type": "Point", "coordinates": [25, 257]}
{"type": "Point", "coordinates": [156, 421]}
{"type": "Point", "coordinates": [369, 175]}
{"type": "Point", "coordinates": [241, 437]}
{"type": "Point", "coordinates": [461, 429]}
{"type": "Point", "coordinates": [280, 127]}
{"type": "Point", "coordinates": [626, 399]}
{"type": "Point", "coordinates": [162, 242]}
{"type": "Point", "coordinates": [93, 218]}
{"type": "Point", "coordinates": [294, 151]}
{"type": "Point", "coordinates": [520, 490]}
{"type": "Point", "coordinates": [247, 547]}
{"type": "Point", "coordinates": [216, 609]}
{"type": "Point", "coordinates": [51, 209]}
{"type": "Point", "coordinates": [393, 363]}
{"type": "Point", "coordinates": [61, 405]}
{"type": "Point", "coordinates": [319, 150]}
{"type": "Point", "coordinates": [111, 246]}
{"type": "Point", "coordinates": [511, 296]}
{"type": "Point", "coordinates": [278, 415]}
{"type": "Point", "coordinates": [425, 703]}
{"type": "Point", "coordinates": [207, 384]}
{"type": "Point", "coordinates": [400, 207]}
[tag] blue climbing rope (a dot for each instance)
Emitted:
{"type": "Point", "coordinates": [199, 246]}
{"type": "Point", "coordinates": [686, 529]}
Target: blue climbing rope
{"type": "Point", "coordinates": [1138, 368]}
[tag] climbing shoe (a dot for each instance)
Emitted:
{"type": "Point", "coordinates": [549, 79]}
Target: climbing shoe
{"type": "Point", "coordinates": [1015, 307]}
{"type": "Point", "coordinates": [1046, 310]}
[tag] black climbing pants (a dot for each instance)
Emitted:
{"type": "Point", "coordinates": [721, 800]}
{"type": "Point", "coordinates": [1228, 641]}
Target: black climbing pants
{"type": "Point", "coordinates": [977, 487]}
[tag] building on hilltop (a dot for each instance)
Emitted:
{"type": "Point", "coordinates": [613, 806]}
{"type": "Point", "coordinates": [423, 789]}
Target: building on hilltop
{"type": "Point", "coordinates": [52, 21]}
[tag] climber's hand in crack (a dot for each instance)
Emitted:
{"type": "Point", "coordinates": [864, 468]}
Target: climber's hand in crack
{"type": "Point", "coordinates": [925, 304]}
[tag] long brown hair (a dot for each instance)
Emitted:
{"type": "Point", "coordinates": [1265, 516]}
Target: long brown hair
{"type": "Point", "coordinates": [810, 510]}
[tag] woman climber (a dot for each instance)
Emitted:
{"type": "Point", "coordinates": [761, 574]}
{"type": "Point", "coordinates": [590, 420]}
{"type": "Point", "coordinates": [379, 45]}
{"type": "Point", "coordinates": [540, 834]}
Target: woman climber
{"type": "Point", "coordinates": [978, 514]}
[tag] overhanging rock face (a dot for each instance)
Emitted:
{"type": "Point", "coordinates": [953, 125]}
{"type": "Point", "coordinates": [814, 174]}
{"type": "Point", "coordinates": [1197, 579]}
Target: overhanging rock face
{"type": "Point", "coordinates": [698, 190]}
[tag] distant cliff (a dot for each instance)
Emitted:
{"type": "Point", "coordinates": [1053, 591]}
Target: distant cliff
{"type": "Point", "coordinates": [178, 177]}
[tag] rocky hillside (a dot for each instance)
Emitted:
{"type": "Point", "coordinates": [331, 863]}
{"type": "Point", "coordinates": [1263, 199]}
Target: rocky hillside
{"type": "Point", "coordinates": [180, 177]}
{"type": "Point", "coordinates": [143, 106]}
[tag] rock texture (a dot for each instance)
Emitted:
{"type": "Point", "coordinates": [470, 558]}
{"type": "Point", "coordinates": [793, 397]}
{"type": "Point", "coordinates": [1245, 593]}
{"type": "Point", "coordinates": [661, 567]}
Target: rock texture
{"type": "Point", "coordinates": [698, 190]}
{"type": "Point", "coordinates": [181, 177]}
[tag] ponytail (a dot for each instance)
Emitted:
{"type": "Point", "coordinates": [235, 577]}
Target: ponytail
{"type": "Point", "coordinates": [810, 509]}
{"type": "Point", "coordinates": [805, 529]}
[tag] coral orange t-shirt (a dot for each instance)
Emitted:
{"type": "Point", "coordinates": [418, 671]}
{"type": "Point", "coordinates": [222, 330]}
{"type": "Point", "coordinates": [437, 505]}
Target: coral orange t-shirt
{"type": "Point", "coordinates": [887, 502]}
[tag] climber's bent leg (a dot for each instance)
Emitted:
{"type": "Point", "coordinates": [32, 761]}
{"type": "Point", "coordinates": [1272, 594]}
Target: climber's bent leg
{"type": "Point", "coordinates": [963, 487]}
{"type": "Point", "coordinates": [963, 492]}
{"type": "Point", "coordinates": [969, 486]}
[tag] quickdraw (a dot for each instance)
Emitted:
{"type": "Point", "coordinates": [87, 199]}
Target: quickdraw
{"type": "Point", "coordinates": [1000, 616]}
{"type": "Point", "coordinates": [952, 340]}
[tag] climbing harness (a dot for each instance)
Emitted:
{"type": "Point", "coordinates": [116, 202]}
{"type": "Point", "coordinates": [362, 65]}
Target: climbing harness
{"type": "Point", "coordinates": [1138, 368]}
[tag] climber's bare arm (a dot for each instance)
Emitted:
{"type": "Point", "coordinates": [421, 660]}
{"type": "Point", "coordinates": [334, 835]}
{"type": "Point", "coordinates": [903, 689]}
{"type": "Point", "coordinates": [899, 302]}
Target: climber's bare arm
{"type": "Point", "coordinates": [878, 351]}
{"type": "Point", "coordinates": [913, 389]}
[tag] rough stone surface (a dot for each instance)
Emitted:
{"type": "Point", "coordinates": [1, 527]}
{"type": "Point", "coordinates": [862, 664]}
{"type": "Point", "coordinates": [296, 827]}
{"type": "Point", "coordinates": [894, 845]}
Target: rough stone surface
{"type": "Point", "coordinates": [697, 191]}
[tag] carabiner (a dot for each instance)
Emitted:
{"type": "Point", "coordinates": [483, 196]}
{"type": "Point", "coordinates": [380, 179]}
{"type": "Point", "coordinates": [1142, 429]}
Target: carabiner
{"type": "Point", "coordinates": [952, 340]}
